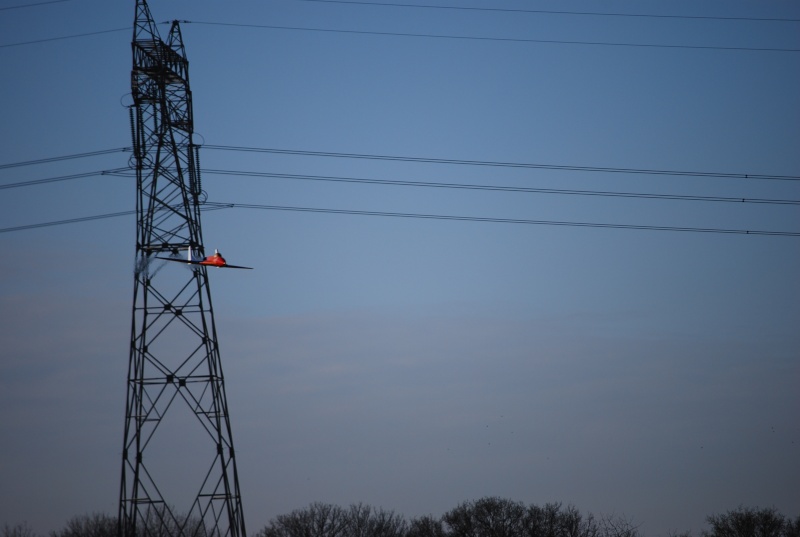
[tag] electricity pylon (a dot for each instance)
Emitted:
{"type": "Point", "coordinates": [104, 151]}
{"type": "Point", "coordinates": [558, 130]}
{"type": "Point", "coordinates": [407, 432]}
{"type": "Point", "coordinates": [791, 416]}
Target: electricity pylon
{"type": "Point", "coordinates": [177, 427]}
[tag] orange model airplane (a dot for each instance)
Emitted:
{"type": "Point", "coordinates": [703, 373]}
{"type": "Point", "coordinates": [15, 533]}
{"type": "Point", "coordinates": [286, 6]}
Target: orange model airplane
{"type": "Point", "coordinates": [215, 260]}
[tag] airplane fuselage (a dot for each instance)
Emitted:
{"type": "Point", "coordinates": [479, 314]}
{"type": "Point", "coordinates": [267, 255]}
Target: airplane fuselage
{"type": "Point", "coordinates": [215, 260]}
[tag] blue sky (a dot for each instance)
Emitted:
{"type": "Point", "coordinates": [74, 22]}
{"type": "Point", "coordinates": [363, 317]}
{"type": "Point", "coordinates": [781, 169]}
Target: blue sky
{"type": "Point", "coordinates": [414, 364]}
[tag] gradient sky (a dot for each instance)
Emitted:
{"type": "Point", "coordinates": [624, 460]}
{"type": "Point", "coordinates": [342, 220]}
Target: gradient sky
{"type": "Point", "coordinates": [414, 364]}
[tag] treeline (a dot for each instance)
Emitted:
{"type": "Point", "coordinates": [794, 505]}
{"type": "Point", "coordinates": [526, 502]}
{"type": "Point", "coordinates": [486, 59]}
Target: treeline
{"type": "Point", "coordinates": [498, 517]}
{"type": "Point", "coordinates": [487, 517]}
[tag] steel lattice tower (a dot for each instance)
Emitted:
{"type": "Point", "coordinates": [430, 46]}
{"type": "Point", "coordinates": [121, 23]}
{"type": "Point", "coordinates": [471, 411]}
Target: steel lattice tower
{"type": "Point", "coordinates": [177, 427]}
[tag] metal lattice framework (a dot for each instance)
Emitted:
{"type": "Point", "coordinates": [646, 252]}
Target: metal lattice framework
{"type": "Point", "coordinates": [177, 428]}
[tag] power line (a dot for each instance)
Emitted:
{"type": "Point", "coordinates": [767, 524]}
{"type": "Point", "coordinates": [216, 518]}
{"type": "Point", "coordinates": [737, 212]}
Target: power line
{"type": "Point", "coordinates": [511, 220]}
{"type": "Point", "coordinates": [67, 221]}
{"type": "Point", "coordinates": [211, 206]}
{"type": "Point", "coordinates": [33, 182]}
{"type": "Point", "coordinates": [401, 158]}
{"type": "Point", "coordinates": [427, 160]}
{"type": "Point", "coordinates": [499, 39]}
{"type": "Point", "coordinates": [551, 12]}
{"type": "Point", "coordinates": [428, 184]}
{"type": "Point", "coordinates": [462, 186]}
{"type": "Point", "coordinates": [32, 5]}
{"type": "Point", "coordinates": [214, 207]}
{"type": "Point", "coordinates": [63, 157]}
{"type": "Point", "coordinates": [45, 40]}
{"type": "Point", "coordinates": [430, 36]}
{"type": "Point", "coordinates": [457, 186]}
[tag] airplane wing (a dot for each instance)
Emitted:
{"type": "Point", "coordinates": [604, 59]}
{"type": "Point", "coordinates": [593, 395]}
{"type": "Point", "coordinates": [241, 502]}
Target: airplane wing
{"type": "Point", "coordinates": [194, 262]}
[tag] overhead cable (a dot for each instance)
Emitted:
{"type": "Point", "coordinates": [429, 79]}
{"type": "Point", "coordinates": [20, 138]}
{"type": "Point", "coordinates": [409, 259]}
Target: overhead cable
{"type": "Point", "coordinates": [432, 36]}
{"type": "Point", "coordinates": [33, 182]}
{"type": "Point", "coordinates": [501, 39]}
{"type": "Point", "coordinates": [32, 5]}
{"type": "Point", "coordinates": [125, 172]}
{"type": "Point", "coordinates": [67, 221]}
{"type": "Point", "coordinates": [511, 220]}
{"type": "Point", "coordinates": [63, 157]}
{"type": "Point", "coordinates": [552, 12]}
{"type": "Point", "coordinates": [214, 207]}
{"type": "Point", "coordinates": [217, 206]}
{"type": "Point", "coordinates": [45, 40]}
{"type": "Point", "coordinates": [427, 160]}
{"type": "Point", "coordinates": [498, 188]}
{"type": "Point", "coordinates": [503, 164]}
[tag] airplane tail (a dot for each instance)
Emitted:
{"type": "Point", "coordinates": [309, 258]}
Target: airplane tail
{"type": "Point", "coordinates": [190, 257]}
